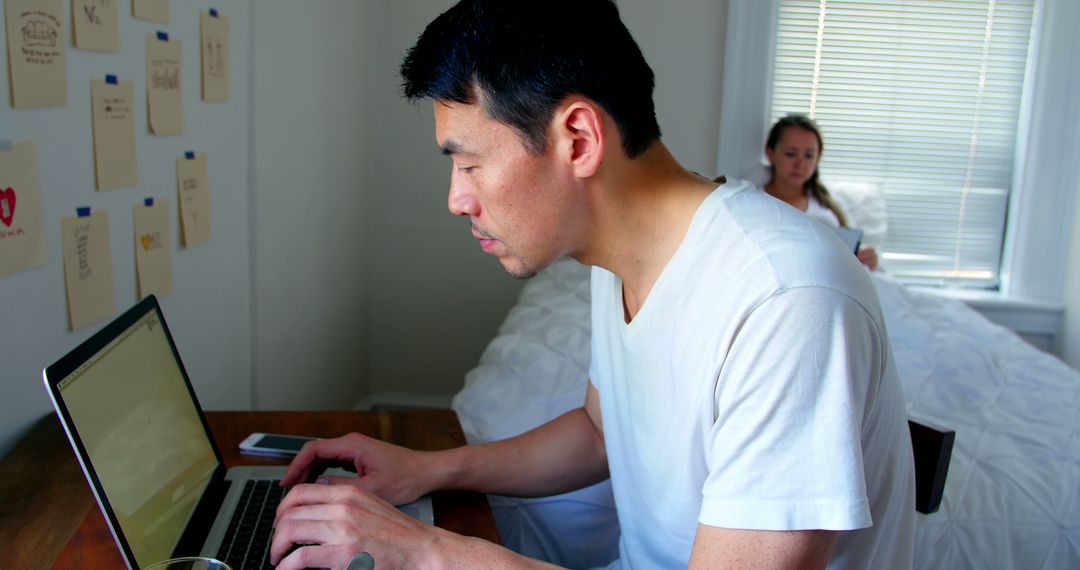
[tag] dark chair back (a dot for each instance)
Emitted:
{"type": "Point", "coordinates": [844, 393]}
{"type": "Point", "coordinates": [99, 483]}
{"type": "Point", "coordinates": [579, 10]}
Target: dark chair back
{"type": "Point", "coordinates": [933, 449]}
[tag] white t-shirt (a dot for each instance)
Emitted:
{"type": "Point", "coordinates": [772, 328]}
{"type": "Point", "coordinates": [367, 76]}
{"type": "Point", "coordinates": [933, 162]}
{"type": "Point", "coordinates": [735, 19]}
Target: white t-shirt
{"type": "Point", "coordinates": [755, 389]}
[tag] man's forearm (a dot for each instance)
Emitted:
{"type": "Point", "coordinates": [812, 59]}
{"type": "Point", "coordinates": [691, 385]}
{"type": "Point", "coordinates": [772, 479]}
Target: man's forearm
{"type": "Point", "coordinates": [560, 456]}
{"type": "Point", "coordinates": [449, 552]}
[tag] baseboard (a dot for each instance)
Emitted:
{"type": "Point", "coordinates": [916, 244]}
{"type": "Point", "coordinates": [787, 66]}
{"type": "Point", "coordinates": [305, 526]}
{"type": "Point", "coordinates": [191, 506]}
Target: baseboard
{"type": "Point", "coordinates": [404, 401]}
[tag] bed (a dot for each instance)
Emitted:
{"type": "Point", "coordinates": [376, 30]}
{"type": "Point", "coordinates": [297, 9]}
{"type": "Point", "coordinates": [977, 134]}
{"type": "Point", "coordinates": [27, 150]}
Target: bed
{"type": "Point", "coordinates": [1012, 494]}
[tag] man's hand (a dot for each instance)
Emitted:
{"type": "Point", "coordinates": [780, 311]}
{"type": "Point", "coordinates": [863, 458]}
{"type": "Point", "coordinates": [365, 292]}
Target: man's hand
{"type": "Point", "coordinates": [393, 473]}
{"type": "Point", "coordinates": [324, 526]}
{"type": "Point", "coordinates": [331, 523]}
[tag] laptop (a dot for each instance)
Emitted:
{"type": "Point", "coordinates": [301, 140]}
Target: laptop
{"type": "Point", "coordinates": [129, 410]}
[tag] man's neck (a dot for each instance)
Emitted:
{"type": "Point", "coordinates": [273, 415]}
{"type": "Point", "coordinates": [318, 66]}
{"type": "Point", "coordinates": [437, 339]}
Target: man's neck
{"type": "Point", "coordinates": [643, 209]}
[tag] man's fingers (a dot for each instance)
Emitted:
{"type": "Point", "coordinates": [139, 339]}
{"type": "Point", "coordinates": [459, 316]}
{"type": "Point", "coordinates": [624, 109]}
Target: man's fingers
{"type": "Point", "coordinates": [295, 532]}
{"type": "Point", "coordinates": [316, 556]}
{"type": "Point", "coordinates": [341, 450]}
{"type": "Point", "coordinates": [328, 480]}
{"type": "Point", "coordinates": [302, 495]}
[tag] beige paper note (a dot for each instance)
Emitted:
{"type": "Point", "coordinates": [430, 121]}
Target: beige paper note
{"type": "Point", "coordinates": [22, 242]}
{"type": "Point", "coordinates": [153, 249]}
{"type": "Point", "coordinates": [113, 115]}
{"type": "Point", "coordinates": [95, 25]}
{"type": "Point", "coordinates": [192, 185]}
{"type": "Point", "coordinates": [88, 272]}
{"type": "Point", "coordinates": [165, 106]}
{"type": "Point", "coordinates": [153, 10]}
{"type": "Point", "coordinates": [36, 53]}
{"type": "Point", "coordinates": [215, 57]}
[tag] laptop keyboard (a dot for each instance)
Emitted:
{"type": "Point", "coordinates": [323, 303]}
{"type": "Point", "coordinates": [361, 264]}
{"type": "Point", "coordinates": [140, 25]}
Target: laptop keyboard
{"type": "Point", "coordinates": [247, 540]}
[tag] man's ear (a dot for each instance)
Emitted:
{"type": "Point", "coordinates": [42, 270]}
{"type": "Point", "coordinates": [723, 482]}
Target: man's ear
{"type": "Point", "coordinates": [581, 130]}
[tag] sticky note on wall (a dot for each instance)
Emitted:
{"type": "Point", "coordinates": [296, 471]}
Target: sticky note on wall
{"type": "Point", "coordinates": [215, 56]}
{"type": "Point", "coordinates": [113, 110]}
{"type": "Point", "coordinates": [153, 248]}
{"type": "Point", "coordinates": [22, 241]}
{"type": "Point", "coordinates": [88, 271]}
{"type": "Point", "coordinates": [95, 25]}
{"type": "Point", "coordinates": [192, 186]}
{"type": "Point", "coordinates": [152, 10]}
{"type": "Point", "coordinates": [165, 103]}
{"type": "Point", "coordinates": [36, 53]}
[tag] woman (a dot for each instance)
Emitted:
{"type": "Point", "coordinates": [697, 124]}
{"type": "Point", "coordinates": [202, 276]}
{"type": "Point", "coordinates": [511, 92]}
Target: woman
{"type": "Point", "coordinates": [794, 150]}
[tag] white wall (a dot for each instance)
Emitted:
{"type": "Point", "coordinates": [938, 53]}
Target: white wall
{"type": "Point", "coordinates": [685, 47]}
{"type": "Point", "coordinates": [312, 186]}
{"type": "Point", "coordinates": [209, 311]}
{"type": "Point", "coordinates": [435, 298]}
{"type": "Point", "coordinates": [1070, 345]}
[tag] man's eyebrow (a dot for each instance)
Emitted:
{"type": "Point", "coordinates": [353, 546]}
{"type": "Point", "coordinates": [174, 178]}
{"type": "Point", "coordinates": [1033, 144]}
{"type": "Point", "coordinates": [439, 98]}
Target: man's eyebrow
{"type": "Point", "coordinates": [451, 147]}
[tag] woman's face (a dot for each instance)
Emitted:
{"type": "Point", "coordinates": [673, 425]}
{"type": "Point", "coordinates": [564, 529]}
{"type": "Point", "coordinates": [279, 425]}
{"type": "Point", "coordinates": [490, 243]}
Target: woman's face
{"type": "Point", "coordinates": [795, 157]}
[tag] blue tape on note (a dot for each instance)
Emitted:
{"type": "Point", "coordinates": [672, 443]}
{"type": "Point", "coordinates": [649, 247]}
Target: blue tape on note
{"type": "Point", "coordinates": [83, 212]}
{"type": "Point", "coordinates": [110, 79]}
{"type": "Point", "coordinates": [163, 36]}
{"type": "Point", "coordinates": [149, 202]}
{"type": "Point", "coordinates": [190, 155]}
{"type": "Point", "coordinates": [213, 13]}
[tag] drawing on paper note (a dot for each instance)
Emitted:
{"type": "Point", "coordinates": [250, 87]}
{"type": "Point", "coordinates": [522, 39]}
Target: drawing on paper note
{"type": "Point", "coordinates": [215, 57]}
{"type": "Point", "coordinates": [151, 241]}
{"type": "Point", "coordinates": [117, 108]}
{"type": "Point", "coordinates": [7, 206]}
{"type": "Point", "coordinates": [82, 250]}
{"type": "Point", "coordinates": [166, 75]}
{"type": "Point", "coordinates": [93, 14]}
{"type": "Point", "coordinates": [41, 33]}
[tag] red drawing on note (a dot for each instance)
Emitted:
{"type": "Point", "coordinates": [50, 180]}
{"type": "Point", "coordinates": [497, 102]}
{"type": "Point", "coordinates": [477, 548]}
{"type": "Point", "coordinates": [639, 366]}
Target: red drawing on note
{"type": "Point", "coordinates": [7, 206]}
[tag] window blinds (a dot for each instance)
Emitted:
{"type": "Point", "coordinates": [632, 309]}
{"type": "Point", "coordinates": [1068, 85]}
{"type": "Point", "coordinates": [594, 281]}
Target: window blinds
{"type": "Point", "coordinates": [922, 99]}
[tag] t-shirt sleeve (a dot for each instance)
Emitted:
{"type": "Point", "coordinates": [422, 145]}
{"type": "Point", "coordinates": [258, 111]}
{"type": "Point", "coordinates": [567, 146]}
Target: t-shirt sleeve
{"type": "Point", "coordinates": [785, 452]}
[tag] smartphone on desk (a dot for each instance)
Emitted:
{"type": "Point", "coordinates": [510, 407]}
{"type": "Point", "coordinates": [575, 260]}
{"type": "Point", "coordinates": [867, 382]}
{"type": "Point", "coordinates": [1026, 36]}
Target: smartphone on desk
{"type": "Point", "coordinates": [273, 444]}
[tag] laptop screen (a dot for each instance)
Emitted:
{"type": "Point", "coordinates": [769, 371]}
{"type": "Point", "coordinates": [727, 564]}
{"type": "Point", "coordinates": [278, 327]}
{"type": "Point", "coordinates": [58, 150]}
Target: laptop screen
{"type": "Point", "coordinates": [132, 409]}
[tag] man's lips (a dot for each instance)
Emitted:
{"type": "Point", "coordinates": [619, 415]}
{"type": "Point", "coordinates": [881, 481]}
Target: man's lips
{"type": "Point", "coordinates": [487, 243]}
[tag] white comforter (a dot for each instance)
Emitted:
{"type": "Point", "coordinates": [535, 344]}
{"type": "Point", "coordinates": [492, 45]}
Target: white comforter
{"type": "Point", "coordinates": [1012, 496]}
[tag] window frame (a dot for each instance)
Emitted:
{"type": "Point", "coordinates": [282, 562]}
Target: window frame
{"type": "Point", "coordinates": [1043, 194]}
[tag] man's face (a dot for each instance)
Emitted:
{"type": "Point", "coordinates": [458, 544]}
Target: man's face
{"type": "Point", "coordinates": [515, 199]}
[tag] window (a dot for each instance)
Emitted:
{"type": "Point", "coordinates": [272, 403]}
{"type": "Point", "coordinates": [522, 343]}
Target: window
{"type": "Point", "coordinates": [922, 99]}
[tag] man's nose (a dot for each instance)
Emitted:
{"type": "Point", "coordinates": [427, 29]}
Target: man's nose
{"type": "Point", "coordinates": [461, 200]}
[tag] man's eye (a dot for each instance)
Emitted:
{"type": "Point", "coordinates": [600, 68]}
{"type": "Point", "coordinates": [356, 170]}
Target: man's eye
{"type": "Point", "coordinates": [466, 169]}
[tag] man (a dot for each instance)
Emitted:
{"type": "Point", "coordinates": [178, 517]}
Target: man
{"type": "Point", "coordinates": [743, 397]}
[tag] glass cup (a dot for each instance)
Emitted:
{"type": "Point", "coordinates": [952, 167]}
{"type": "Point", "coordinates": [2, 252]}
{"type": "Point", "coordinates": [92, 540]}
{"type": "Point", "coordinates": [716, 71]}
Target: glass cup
{"type": "Point", "coordinates": [189, 563]}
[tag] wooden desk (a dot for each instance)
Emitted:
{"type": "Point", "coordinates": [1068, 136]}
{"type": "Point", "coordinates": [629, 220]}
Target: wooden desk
{"type": "Point", "coordinates": [48, 517]}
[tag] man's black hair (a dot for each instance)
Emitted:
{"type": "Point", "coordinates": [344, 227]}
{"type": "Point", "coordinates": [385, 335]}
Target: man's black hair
{"type": "Point", "coordinates": [520, 59]}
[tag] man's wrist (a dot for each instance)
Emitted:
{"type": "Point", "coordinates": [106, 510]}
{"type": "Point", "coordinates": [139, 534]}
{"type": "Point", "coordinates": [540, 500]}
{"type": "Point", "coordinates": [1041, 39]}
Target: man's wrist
{"type": "Point", "coordinates": [445, 469]}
